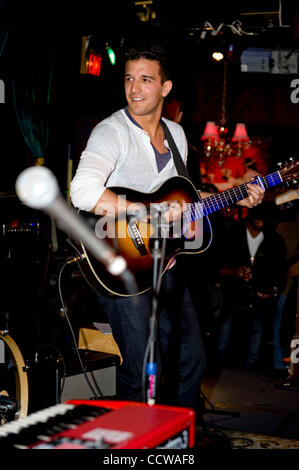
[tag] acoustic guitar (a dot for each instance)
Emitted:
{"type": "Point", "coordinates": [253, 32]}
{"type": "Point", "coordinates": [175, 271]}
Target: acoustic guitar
{"type": "Point", "coordinates": [134, 238]}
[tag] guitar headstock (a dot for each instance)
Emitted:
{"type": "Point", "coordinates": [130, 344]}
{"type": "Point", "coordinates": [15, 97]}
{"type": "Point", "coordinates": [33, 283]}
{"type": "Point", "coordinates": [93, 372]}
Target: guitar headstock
{"type": "Point", "coordinates": [289, 171]}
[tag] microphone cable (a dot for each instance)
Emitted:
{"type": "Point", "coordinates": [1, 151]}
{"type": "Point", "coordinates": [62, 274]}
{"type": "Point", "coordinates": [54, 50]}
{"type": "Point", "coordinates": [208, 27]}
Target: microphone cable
{"type": "Point", "coordinates": [126, 276]}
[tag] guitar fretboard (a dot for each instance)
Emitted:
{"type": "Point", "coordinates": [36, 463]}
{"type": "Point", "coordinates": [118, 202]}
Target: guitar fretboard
{"type": "Point", "coordinates": [229, 197]}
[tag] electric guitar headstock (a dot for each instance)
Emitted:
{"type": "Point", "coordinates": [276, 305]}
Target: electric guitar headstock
{"type": "Point", "coordinates": [288, 196]}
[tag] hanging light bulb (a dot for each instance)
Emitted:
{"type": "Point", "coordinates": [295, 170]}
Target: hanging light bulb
{"type": "Point", "coordinates": [218, 56]}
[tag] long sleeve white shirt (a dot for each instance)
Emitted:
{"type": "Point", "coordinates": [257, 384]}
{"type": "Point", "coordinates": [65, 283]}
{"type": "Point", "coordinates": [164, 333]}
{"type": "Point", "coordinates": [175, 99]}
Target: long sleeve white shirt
{"type": "Point", "coordinates": [119, 153]}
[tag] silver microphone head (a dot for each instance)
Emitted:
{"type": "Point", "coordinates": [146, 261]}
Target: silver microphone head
{"type": "Point", "coordinates": [37, 187]}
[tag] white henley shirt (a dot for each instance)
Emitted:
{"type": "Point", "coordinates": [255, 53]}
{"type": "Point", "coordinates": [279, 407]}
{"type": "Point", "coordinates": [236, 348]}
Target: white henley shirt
{"type": "Point", "coordinates": [119, 153]}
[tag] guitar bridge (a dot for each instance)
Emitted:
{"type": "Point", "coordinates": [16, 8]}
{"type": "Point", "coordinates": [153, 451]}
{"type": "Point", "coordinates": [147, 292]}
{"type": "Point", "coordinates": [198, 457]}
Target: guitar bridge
{"type": "Point", "coordinates": [137, 239]}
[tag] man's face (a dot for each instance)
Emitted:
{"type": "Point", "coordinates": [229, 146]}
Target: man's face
{"type": "Point", "coordinates": [144, 89]}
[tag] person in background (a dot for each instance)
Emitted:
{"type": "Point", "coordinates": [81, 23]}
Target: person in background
{"type": "Point", "coordinates": [252, 273]}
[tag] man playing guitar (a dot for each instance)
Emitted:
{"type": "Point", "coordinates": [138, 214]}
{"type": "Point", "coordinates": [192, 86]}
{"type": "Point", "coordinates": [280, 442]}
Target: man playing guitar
{"type": "Point", "coordinates": [129, 149]}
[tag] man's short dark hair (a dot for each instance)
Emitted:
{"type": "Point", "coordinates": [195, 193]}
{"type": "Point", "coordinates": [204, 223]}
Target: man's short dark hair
{"type": "Point", "coordinates": [150, 51]}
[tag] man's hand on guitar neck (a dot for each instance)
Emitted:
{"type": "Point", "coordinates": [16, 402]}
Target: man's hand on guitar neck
{"type": "Point", "coordinates": [255, 192]}
{"type": "Point", "coordinates": [255, 196]}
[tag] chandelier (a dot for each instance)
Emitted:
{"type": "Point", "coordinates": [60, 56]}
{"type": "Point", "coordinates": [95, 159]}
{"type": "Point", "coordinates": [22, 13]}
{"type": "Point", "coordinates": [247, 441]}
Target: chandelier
{"type": "Point", "coordinates": [215, 137]}
{"type": "Point", "coordinates": [217, 144]}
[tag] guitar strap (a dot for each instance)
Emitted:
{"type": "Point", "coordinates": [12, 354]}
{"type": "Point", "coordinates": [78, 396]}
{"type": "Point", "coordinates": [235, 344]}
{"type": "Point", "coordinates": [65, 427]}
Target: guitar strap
{"type": "Point", "coordinates": [178, 161]}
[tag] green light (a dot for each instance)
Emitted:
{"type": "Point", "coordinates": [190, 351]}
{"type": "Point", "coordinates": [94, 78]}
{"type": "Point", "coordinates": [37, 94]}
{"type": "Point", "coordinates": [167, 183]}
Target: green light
{"type": "Point", "coordinates": [111, 55]}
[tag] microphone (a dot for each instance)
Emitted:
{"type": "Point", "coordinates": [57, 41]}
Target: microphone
{"type": "Point", "coordinates": [38, 188]}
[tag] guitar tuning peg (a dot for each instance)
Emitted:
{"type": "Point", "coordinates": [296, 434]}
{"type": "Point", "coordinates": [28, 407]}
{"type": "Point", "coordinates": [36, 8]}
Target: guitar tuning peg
{"type": "Point", "coordinates": [291, 159]}
{"type": "Point", "coordinates": [280, 164]}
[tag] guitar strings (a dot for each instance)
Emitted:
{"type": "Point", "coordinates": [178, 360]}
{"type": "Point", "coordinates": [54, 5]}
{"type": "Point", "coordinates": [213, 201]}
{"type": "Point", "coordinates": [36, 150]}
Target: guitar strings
{"type": "Point", "coordinates": [197, 210]}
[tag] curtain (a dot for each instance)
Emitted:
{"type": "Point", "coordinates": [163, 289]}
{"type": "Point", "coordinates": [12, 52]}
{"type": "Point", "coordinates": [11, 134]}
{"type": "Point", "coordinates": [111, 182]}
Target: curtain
{"type": "Point", "coordinates": [4, 15]}
{"type": "Point", "coordinates": [32, 57]}
{"type": "Point", "coordinates": [31, 104]}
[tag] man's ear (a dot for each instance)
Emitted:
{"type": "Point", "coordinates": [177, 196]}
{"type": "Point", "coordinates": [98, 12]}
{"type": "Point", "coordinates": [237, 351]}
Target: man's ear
{"type": "Point", "coordinates": [167, 86]}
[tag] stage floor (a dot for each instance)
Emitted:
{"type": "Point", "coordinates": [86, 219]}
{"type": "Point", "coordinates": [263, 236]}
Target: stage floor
{"type": "Point", "coordinates": [260, 411]}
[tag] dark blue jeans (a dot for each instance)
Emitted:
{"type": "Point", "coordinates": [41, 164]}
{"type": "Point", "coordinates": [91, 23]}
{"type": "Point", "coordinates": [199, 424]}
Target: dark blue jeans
{"type": "Point", "coordinates": [180, 352]}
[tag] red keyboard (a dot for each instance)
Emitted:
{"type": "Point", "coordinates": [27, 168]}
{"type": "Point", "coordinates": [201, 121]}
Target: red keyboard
{"type": "Point", "coordinates": [102, 424]}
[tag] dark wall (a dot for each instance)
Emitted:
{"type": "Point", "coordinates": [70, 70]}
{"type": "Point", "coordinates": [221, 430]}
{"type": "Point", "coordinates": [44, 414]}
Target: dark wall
{"type": "Point", "coordinates": [40, 31]}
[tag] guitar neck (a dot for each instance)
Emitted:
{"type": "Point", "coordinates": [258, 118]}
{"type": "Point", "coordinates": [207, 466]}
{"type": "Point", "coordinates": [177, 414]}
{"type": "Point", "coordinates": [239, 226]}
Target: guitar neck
{"type": "Point", "coordinates": [231, 196]}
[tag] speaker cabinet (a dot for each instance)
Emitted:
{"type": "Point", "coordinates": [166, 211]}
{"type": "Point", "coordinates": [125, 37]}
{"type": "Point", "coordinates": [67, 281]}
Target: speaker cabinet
{"type": "Point", "coordinates": [99, 378]}
{"type": "Point", "coordinates": [53, 381]}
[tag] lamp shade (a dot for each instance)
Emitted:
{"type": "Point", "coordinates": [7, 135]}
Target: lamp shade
{"type": "Point", "coordinates": [210, 132]}
{"type": "Point", "coordinates": [240, 133]}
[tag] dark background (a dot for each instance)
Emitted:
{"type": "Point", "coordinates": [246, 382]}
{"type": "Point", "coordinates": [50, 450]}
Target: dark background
{"type": "Point", "coordinates": [43, 42]}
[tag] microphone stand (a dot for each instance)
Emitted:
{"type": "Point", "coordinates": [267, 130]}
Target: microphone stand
{"type": "Point", "coordinates": [158, 253]}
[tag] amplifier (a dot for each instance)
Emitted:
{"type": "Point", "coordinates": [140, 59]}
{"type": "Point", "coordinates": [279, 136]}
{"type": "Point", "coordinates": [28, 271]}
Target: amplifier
{"type": "Point", "coordinates": [16, 227]}
{"type": "Point", "coordinates": [102, 424]}
{"type": "Point", "coordinates": [100, 370]}
{"type": "Point", "coordinates": [50, 383]}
